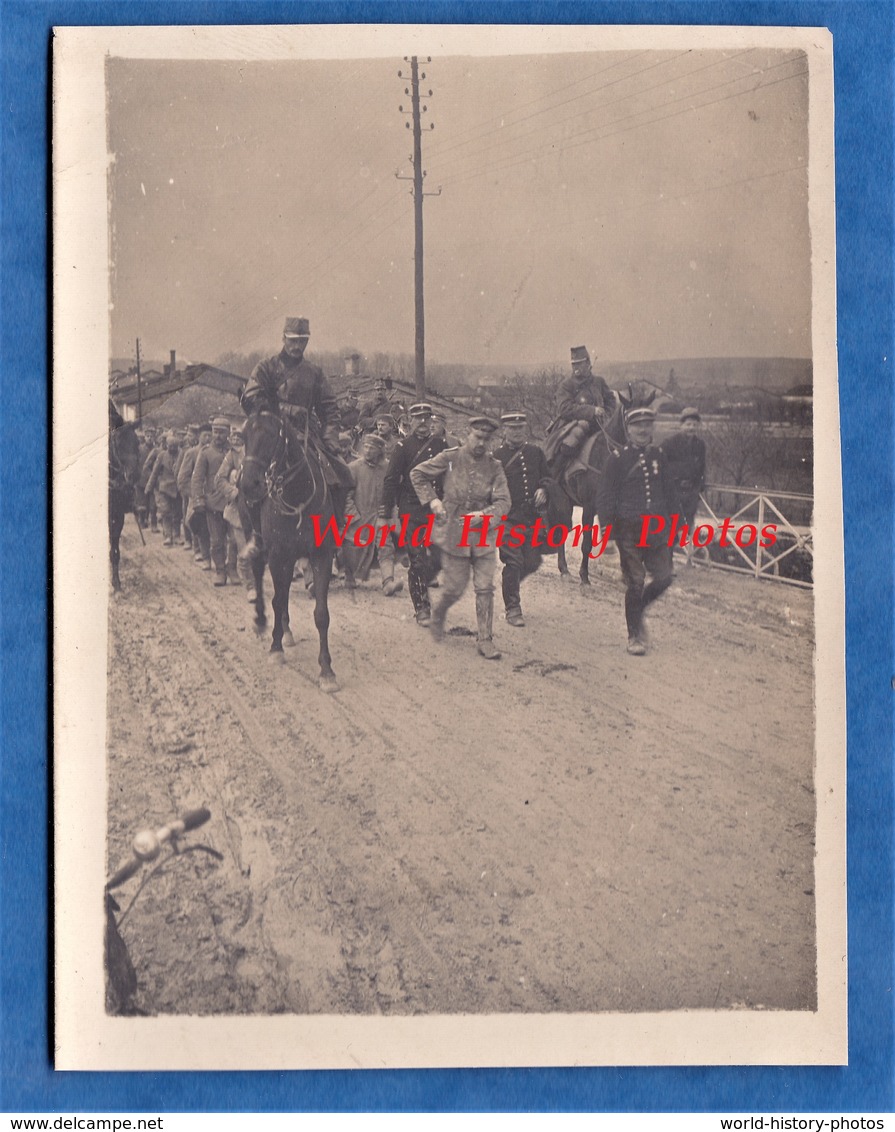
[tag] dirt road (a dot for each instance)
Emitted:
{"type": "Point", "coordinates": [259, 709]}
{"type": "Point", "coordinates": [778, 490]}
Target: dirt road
{"type": "Point", "coordinates": [568, 829]}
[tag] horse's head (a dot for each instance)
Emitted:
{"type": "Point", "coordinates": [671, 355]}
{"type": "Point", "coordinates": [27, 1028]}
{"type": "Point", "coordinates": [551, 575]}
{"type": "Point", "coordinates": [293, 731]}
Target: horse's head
{"type": "Point", "coordinates": [264, 441]}
{"type": "Point", "coordinates": [124, 455]}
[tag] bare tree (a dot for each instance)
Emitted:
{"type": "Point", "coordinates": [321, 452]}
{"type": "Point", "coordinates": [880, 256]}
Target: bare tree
{"type": "Point", "coordinates": [535, 394]}
{"type": "Point", "coordinates": [742, 451]}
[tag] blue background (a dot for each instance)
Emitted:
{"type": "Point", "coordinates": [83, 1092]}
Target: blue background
{"type": "Point", "coordinates": [863, 46]}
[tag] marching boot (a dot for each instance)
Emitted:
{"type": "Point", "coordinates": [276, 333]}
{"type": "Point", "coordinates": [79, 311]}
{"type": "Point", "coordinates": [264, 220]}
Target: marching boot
{"type": "Point", "coordinates": [484, 613]}
{"type": "Point", "coordinates": [511, 601]}
{"type": "Point", "coordinates": [390, 586]}
{"type": "Point", "coordinates": [436, 621]}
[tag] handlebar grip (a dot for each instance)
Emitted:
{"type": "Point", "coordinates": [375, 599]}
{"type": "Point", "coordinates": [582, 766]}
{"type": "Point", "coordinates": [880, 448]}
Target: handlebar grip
{"type": "Point", "coordinates": [124, 873]}
{"type": "Point", "coordinates": [192, 819]}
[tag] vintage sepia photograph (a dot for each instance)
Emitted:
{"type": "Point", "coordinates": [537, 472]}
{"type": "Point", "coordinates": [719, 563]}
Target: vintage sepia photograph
{"type": "Point", "coordinates": [448, 559]}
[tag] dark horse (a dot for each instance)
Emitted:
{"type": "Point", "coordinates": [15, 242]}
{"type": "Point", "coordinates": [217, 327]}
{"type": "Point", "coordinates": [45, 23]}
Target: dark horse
{"type": "Point", "coordinates": [579, 487]}
{"type": "Point", "coordinates": [124, 471]}
{"type": "Point", "coordinates": [287, 475]}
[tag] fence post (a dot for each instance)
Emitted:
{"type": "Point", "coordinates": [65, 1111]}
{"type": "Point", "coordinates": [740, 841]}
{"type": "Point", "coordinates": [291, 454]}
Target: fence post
{"type": "Point", "coordinates": [758, 539]}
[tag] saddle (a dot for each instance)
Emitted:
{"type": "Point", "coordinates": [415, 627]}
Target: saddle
{"type": "Point", "coordinates": [580, 461]}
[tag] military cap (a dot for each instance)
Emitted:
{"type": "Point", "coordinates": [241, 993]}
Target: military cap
{"type": "Point", "coordinates": [420, 409]}
{"type": "Point", "coordinates": [690, 415]}
{"type": "Point", "coordinates": [220, 422]}
{"type": "Point", "coordinates": [206, 427]}
{"type": "Point", "coordinates": [171, 437]}
{"type": "Point", "coordinates": [483, 424]}
{"type": "Point", "coordinates": [297, 328]}
{"type": "Point", "coordinates": [516, 416]}
{"type": "Point", "coordinates": [192, 428]}
{"type": "Point", "coordinates": [384, 417]}
{"type": "Point", "coordinates": [352, 392]}
{"type": "Point", "coordinates": [640, 413]}
{"type": "Point", "coordinates": [580, 354]}
{"type": "Point", "coordinates": [373, 438]}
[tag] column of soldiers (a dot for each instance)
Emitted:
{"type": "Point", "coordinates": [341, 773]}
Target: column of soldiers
{"type": "Point", "coordinates": [192, 479]}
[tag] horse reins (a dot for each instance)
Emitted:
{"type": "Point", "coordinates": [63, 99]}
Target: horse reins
{"type": "Point", "coordinates": [277, 484]}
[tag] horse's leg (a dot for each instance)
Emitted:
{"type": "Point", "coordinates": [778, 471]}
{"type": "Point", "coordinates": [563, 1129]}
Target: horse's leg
{"type": "Point", "coordinates": [281, 583]}
{"type": "Point", "coordinates": [116, 523]}
{"type": "Point", "coordinates": [322, 565]}
{"type": "Point", "coordinates": [288, 639]}
{"type": "Point", "coordinates": [258, 567]}
{"type": "Point", "coordinates": [587, 544]}
{"type": "Point", "coordinates": [561, 561]}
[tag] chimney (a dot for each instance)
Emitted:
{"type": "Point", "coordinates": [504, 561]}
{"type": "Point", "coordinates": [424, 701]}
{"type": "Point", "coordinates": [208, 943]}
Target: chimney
{"type": "Point", "coordinates": [352, 365]}
{"type": "Point", "coordinates": [173, 368]}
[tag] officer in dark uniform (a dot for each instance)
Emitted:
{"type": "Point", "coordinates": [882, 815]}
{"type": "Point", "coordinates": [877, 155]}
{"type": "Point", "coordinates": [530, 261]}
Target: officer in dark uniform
{"type": "Point", "coordinates": [288, 384]}
{"type": "Point", "coordinates": [399, 494]}
{"type": "Point", "coordinates": [635, 483]}
{"type": "Point", "coordinates": [525, 467]}
{"type": "Point", "coordinates": [584, 399]}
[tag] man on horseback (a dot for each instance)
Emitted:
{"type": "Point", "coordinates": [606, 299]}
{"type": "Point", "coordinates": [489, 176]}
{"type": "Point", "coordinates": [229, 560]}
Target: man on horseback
{"type": "Point", "coordinates": [584, 401]}
{"type": "Point", "coordinates": [296, 389]}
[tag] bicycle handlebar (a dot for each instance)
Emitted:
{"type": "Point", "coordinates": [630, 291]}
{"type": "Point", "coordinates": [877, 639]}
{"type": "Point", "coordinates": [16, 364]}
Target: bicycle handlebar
{"type": "Point", "coordinates": [147, 844]}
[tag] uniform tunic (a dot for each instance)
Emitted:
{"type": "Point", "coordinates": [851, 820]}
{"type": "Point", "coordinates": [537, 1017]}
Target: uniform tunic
{"type": "Point", "coordinates": [470, 484]}
{"type": "Point", "coordinates": [580, 397]}
{"type": "Point", "coordinates": [526, 470]}
{"type": "Point", "coordinates": [635, 483]}
{"type": "Point", "coordinates": [398, 491]}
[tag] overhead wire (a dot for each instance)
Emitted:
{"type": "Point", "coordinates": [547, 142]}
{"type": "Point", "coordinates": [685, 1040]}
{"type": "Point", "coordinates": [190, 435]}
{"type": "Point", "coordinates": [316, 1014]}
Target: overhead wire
{"type": "Point", "coordinates": [676, 79]}
{"type": "Point", "coordinates": [553, 124]}
{"type": "Point", "coordinates": [588, 136]}
{"type": "Point", "coordinates": [436, 153]}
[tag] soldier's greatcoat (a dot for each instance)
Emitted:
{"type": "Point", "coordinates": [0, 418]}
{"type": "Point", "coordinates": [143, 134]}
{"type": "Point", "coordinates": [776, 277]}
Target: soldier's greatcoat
{"type": "Point", "coordinates": [282, 380]}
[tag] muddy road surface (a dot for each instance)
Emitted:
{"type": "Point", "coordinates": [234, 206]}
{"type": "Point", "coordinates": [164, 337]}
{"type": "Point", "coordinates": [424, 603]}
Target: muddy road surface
{"type": "Point", "coordinates": [568, 829]}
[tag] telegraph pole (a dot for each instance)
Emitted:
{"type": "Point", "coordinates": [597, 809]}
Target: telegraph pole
{"type": "Point", "coordinates": [139, 388]}
{"type": "Point", "coordinates": [418, 174]}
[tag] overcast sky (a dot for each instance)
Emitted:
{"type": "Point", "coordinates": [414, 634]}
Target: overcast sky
{"type": "Point", "coordinates": [649, 204]}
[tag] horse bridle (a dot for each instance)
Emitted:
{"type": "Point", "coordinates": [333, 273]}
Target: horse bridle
{"type": "Point", "coordinates": [117, 469]}
{"type": "Point", "coordinates": [276, 483]}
